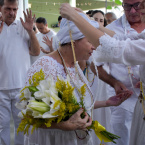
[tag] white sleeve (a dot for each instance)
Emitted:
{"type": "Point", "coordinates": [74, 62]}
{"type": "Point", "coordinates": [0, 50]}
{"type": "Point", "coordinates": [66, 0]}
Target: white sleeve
{"type": "Point", "coordinates": [48, 66]}
{"type": "Point", "coordinates": [132, 36]}
{"type": "Point", "coordinates": [128, 52]}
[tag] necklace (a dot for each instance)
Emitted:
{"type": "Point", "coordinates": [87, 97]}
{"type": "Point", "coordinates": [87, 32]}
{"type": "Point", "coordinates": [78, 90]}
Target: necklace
{"type": "Point", "coordinates": [80, 77]}
{"type": "Point", "coordinates": [131, 75]}
{"type": "Point", "coordinates": [87, 73]}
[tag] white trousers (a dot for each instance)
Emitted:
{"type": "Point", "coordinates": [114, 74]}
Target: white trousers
{"type": "Point", "coordinates": [121, 124]}
{"type": "Point", "coordinates": [137, 136]}
{"type": "Point", "coordinates": [8, 98]}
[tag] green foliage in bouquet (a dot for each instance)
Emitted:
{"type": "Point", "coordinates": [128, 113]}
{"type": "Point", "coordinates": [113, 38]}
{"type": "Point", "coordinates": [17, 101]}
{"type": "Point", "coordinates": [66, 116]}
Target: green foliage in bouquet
{"type": "Point", "coordinates": [44, 102]}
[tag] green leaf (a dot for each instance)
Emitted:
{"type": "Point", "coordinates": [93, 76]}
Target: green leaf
{"type": "Point", "coordinates": [118, 2]}
{"type": "Point", "coordinates": [32, 89]}
{"type": "Point", "coordinates": [60, 95]}
{"type": "Point", "coordinates": [109, 7]}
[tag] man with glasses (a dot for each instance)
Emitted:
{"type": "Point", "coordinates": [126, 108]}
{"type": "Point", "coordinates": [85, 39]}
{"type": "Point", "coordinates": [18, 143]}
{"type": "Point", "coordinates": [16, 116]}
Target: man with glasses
{"type": "Point", "coordinates": [123, 77]}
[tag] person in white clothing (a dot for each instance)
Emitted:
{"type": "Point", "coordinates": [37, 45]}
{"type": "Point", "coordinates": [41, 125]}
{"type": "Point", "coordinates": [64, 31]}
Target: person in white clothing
{"type": "Point", "coordinates": [124, 50]}
{"type": "Point", "coordinates": [61, 63]}
{"type": "Point", "coordinates": [44, 37]}
{"type": "Point", "coordinates": [17, 38]}
{"type": "Point", "coordinates": [110, 17]}
{"type": "Point", "coordinates": [119, 77]}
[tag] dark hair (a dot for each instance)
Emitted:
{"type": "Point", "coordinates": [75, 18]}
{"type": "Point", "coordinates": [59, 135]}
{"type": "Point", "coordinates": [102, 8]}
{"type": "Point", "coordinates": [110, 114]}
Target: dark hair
{"type": "Point", "coordinates": [105, 22]}
{"type": "Point", "coordinates": [97, 11]}
{"type": "Point", "coordinates": [64, 44]}
{"type": "Point", "coordinates": [112, 15]}
{"type": "Point", "coordinates": [41, 20]}
{"type": "Point", "coordinates": [11, 1]}
{"type": "Point", "coordinates": [59, 18]}
{"type": "Point", "coordinates": [89, 12]}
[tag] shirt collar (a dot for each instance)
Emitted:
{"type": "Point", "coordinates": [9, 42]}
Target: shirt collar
{"type": "Point", "coordinates": [13, 23]}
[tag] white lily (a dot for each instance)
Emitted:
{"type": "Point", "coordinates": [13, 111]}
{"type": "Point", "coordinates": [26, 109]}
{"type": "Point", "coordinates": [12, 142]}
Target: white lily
{"type": "Point", "coordinates": [46, 84]}
{"type": "Point", "coordinates": [22, 105]}
{"type": "Point", "coordinates": [20, 115]}
{"type": "Point", "coordinates": [38, 108]}
{"type": "Point", "coordinates": [51, 101]}
{"type": "Point", "coordinates": [36, 114]}
{"type": "Point", "coordinates": [27, 93]}
{"type": "Point", "coordinates": [44, 87]}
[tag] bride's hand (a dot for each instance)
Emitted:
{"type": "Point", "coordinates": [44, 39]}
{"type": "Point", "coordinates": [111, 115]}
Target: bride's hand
{"type": "Point", "coordinates": [75, 122]}
{"type": "Point", "coordinates": [118, 99]}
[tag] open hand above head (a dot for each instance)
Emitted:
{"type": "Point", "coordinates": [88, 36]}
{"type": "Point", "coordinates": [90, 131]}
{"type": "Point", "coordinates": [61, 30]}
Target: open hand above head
{"type": "Point", "coordinates": [29, 20]}
{"type": "Point", "coordinates": [67, 11]}
{"type": "Point", "coordinates": [1, 22]}
{"type": "Point", "coordinates": [118, 99]}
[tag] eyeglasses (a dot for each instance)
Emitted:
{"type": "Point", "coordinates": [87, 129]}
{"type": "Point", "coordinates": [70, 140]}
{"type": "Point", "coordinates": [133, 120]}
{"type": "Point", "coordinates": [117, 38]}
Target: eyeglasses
{"type": "Point", "coordinates": [127, 7]}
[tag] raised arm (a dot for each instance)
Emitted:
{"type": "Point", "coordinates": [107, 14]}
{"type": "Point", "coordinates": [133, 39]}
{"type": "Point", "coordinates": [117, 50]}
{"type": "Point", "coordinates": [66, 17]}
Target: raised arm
{"type": "Point", "coordinates": [28, 25]}
{"type": "Point", "coordinates": [129, 52]}
{"type": "Point", "coordinates": [92, 35]}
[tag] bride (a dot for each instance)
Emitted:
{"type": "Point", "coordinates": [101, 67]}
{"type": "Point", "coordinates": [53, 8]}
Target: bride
{"type": "Point", "coordinates": [61, 63]}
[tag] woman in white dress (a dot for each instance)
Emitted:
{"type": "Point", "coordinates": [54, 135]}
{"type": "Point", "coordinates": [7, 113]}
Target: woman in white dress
{"type": "Point", "coordinates": [61, 63]}
{"type": "Point", "coordinates": [129, 50]}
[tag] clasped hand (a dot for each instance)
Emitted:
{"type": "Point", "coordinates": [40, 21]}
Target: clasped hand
{"type": "Point", "coordinates": [75, 122]}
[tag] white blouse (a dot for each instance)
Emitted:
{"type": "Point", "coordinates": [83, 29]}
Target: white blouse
{"type": "Point", "coordinates": [128, 52]}
{"type": "Point", "coordinates": [55, 136]}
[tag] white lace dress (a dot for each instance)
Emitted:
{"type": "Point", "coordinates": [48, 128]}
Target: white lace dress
{"type": "Point", "coordinates": [56, 136]}
{"type": "Point", "coordinates": [129, 52]}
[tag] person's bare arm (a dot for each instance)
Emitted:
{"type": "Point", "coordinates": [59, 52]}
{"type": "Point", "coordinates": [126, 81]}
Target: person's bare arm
{"type": "Point", "coordinates": [107, 31]}
{"type": "Point", "coordinates": [114, 100]}
{"type": "Point", "coordinates": [109, 79]}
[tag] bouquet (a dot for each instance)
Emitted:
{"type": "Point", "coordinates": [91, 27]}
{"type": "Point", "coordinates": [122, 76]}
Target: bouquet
{"type": "Point", "coordinates": [44, 102]}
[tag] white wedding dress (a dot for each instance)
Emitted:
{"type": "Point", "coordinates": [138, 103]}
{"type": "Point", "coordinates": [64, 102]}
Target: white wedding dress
{"type": "Point", "coordinates": [56, 136]}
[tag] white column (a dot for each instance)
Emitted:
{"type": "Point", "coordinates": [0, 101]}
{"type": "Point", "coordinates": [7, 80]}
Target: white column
{"type": "Point", "coordinates": [20, 10]}
{"type": "Point", "coordinates": [106, 5]}
{"type": "Point", "coordinates": [72, 3]}
{"type": "Point", "coordinates": [23, 5]}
